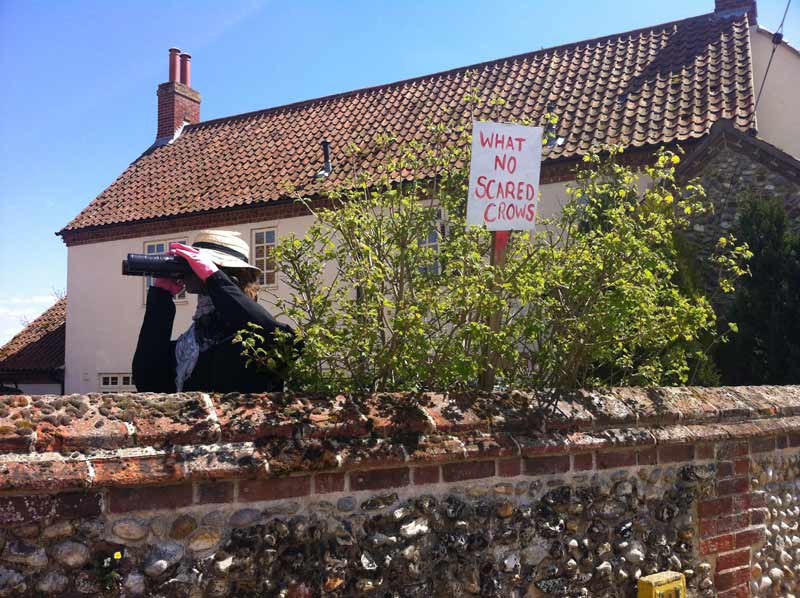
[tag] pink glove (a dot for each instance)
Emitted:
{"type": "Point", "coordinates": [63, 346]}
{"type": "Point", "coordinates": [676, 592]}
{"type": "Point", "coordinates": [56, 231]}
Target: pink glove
{"type": "Point", "coordinates": [173, 287]}
{"type": "Point", "coordinates": [201, 265]}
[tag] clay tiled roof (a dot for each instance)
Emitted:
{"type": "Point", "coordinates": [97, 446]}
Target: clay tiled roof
{"type": "Point", "coordinates": [663, 84]}
{"type": "Point", "coordinates": [40, 346]}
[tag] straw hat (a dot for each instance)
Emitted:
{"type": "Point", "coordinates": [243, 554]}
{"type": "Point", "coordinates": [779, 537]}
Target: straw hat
{"type": "Point", "coordinates": [225, 248]}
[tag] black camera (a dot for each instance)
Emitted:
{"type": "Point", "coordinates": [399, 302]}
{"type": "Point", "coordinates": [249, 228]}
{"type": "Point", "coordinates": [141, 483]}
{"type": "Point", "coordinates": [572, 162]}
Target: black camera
{"type": "Point", "coordinates": [161, 266]}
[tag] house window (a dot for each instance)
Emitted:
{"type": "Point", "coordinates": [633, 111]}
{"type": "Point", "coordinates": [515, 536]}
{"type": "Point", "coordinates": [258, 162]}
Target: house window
{"type": "Point", "coordinates": [157, 248]}
{"type": "Point", "coordinates": [431, 241]}
{"type": "Point", "coordinates": [263, 258]}
{"type": "Point", "coordinates": [116, 382]}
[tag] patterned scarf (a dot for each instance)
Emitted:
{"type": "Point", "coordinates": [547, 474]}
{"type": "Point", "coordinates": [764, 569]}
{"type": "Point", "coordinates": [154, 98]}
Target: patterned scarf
{"type": "Point", "coordinates": [198, 338]}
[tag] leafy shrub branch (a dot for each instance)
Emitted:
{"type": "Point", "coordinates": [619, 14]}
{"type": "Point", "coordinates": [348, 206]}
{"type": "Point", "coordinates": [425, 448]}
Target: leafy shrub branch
{"type": "Point", "coordinates": [390, 290]}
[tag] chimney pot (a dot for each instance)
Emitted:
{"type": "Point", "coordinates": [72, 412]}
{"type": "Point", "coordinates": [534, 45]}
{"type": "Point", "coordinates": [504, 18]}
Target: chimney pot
{"type": "Point", "coordinates": [186, 72]}
{"type": "Point", "coordinates": [178, 103]}
{"type": "Point", "coordinates": [173, 63]}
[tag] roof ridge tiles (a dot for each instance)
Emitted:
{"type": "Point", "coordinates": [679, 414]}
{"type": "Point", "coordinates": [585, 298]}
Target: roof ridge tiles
{"type": "Point", "coordinates": [582, 44]}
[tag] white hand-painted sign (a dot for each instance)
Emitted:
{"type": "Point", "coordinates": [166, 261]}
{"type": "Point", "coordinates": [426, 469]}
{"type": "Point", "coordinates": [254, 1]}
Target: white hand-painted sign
{"type": "Point", "coordinates": [504, 176]}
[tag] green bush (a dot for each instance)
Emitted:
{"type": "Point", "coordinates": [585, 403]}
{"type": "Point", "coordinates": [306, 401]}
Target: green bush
{"type": "Point", "coordinates": [591, 298]}
{"type": "Point", "coordinates": [766, 308]}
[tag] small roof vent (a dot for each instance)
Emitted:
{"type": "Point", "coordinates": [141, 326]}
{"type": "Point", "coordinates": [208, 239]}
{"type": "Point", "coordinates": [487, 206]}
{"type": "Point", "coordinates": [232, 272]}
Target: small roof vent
{"type": "Point", "coordinates": [327, 167]}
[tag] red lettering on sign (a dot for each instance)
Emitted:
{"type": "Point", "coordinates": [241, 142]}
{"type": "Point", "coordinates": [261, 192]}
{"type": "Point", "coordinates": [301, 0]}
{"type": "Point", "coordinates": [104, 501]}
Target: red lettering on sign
{"type": "Point", "coordinates": [486, 188]}
{"type": "Point", "coordinates": [480, 190]}
{"type": "Point", "coordinates": [505, 163]}
{"type": "Point", "coordinates": [508, 211]}
{"type": "Point", "coordinates": [501, 141]}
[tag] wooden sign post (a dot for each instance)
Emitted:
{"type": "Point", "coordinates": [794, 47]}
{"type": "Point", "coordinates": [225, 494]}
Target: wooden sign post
{"type": "Point", "coordinates": [503, 194]}
{"type": "Point", "coordinates": [497, 258]}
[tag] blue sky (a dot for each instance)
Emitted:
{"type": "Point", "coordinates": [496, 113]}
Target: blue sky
{"type": "Point", "coordinates": [79, 81]}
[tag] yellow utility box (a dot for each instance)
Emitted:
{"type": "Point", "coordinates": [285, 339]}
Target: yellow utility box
{"type": "Point", "coordinates": [666, 584]}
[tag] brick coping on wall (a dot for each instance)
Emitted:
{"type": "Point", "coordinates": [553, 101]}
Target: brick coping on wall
{"type": "Point", "coordinates": [274, 446]}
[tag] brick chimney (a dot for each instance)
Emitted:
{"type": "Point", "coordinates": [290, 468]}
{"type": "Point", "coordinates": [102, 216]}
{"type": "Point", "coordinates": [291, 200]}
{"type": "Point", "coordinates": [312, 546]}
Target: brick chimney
{"type": "Point", "coordinates": [177, 101]}
{"type": "Point", "coordinates": [733, 7]}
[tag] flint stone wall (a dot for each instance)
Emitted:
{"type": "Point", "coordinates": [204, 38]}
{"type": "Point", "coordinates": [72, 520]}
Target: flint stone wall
{"type": "Point", "coordinates": [776, 563]}
{"type": "Point", "coordinates": [731, 167]}
{"type": "Point", "coordinates": [400, 495]}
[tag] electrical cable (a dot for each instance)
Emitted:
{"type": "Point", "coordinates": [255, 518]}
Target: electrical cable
{"type": "Point", "coordinates": [777, 38]}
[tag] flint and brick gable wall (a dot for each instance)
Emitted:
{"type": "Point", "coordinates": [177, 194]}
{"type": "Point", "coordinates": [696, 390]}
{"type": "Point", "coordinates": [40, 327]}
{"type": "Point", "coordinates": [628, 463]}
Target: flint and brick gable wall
{"type": "Point", "coordinates": [733, 168]}
{"type": "Point", "coordinates": [282, 495]}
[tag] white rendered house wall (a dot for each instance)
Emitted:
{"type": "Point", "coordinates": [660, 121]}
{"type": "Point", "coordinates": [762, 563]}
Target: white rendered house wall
{"type": "Point", "coordinates": [778, 115]}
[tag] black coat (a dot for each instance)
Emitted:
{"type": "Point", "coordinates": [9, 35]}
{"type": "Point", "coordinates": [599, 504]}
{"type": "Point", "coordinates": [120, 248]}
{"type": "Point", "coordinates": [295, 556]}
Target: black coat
{"type": "Point", "coordinates": [221, 368]}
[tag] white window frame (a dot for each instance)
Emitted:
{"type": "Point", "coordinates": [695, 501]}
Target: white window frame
{"type": "Point", "coordinates": [256, 261]}
{"type": "Point", "coordinates": [181, 297]}
{"type": "Point", "coordinates": [115, 382]}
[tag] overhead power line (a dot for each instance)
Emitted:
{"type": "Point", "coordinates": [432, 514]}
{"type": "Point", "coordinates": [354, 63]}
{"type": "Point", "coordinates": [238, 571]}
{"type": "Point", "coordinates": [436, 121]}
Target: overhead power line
{"type": "Point", "coordinates": [777, 39]}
